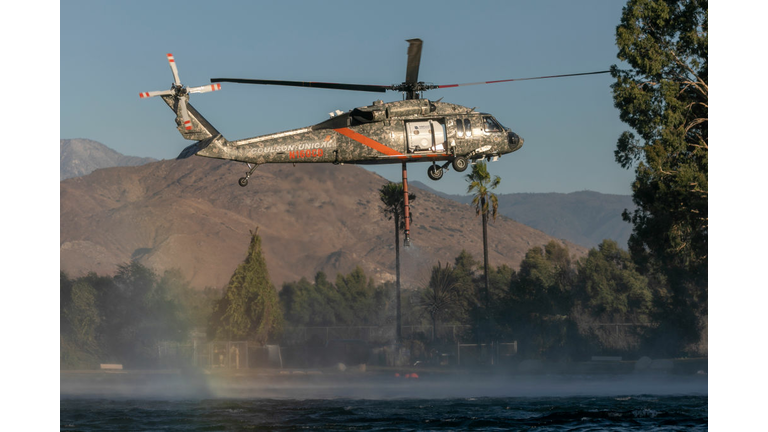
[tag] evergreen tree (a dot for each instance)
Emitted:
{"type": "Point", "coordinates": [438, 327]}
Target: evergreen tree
{"type": "Point", "coordinates": [249, 309]}
{"type": "Point", "coordinates": [663, 97]}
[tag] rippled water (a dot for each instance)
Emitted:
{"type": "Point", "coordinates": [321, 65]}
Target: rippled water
{"type": "Point", "coordinates": [366, 402]}
{"type": "Point", "coordinates": [543, 414]}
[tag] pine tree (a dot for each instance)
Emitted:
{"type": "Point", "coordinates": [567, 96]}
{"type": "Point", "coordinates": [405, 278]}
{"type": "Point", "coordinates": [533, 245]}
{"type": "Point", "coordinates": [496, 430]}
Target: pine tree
{"type": "Point", "coordinates": [249, 309]}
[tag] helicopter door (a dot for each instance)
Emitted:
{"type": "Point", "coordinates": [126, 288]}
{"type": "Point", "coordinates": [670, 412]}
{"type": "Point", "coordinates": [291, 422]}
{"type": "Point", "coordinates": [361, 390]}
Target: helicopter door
{"type": "Point", "coordinates": [425, 136]}
{"type": "Point", "coordinates": [438, 134]}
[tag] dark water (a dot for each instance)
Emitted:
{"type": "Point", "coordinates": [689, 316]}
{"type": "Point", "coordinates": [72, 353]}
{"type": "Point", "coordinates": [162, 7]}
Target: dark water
{"type": "Point", "coordinates": [666, 413]}
{"type": "Point", "coordinates": [364, 402]}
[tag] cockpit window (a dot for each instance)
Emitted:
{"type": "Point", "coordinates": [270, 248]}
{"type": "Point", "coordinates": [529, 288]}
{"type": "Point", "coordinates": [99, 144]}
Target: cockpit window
{"type": "Point", "coordinates": [459, 128]}
{"type": "Point", "coordinates": [491, 125]}
{"type": "Point", "coordinates": [468, 127]}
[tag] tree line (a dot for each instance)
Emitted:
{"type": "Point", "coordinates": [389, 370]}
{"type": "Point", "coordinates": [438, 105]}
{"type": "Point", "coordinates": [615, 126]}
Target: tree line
{"type": "Point", "coordinates": [553, 306]}
{"type": "Point", "coordinates": [556, 307]}
{"type": "Point", "coordinates": [121, 318]}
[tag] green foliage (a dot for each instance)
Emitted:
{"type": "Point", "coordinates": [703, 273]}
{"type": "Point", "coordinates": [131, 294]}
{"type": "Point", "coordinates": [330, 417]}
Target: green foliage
{"type": "Point", "coordinates": [80, 320]}
{"type": "Point", "coordinates": [539, 301]}
{"type": "Point", "coordinates": [249, 309]}
{"type": "Point", "coordinates": [139, 313]}
{"type": "Point", "coordinates": [82, 315]}
{"type": "Point", "coordinates": [544, 281]}
{"type": "Point", "coordinates": [440, 295]}
{"type": "Point", "coordinates": [663, 97]}
{"type": "Point", "coordinates": [480, 186]}
{"type": "Point", "coordinates": [192, 306]}
{"type": "Point", "coordinates": [392, 195]}
{"type": "Point", "coordinates": [465, 269]}
{"type": "Point", "coordinates": [610, 288]}
{"type": "Point", "coordinates": [353, 301]}
{"type": "Point", "coordinates": [121, 318]}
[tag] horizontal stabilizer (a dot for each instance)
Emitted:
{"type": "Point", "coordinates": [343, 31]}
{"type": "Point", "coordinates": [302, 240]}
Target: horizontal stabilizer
{"type": "Point", "coordinates": [196, 147]}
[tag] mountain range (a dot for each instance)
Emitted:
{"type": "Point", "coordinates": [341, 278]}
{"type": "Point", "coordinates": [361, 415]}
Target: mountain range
{"type": "Point", "coordinates": [585, 217]}
{"type": "Point", "coordinates": [79, 157]}
{"type": "Point", "coordinates": [190, 214]}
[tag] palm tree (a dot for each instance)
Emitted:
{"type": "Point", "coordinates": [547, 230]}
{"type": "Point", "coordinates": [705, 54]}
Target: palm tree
{"type": "Point", "coordinates": [440, 294]}
{"type": "Point", "coordinates": [393, 198]}
{"type": "Point", "coordinates": [479, 184]}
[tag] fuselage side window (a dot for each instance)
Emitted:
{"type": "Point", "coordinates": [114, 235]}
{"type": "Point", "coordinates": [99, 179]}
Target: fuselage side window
{"type": "Point", "coordinates": [468, 127]}
{"type": "Point", "coordinates": [459, 128]}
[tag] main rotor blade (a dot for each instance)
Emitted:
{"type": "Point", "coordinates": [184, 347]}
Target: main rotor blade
{"type": "Point", "coordinates": [335, 86]}
{"type": "Point", "coordinates": [521, 79]}
{"type": "Point", "coordinates": [175, 71]}
{"type": "Point", "coordinates": [204, 89]}
{"type": "Point", "coordinates": [414, 59]}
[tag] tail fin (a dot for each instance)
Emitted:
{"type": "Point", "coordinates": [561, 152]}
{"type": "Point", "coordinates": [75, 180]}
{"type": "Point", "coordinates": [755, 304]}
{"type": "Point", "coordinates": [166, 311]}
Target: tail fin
{"type": "Point", "coordinates": [198, 127]}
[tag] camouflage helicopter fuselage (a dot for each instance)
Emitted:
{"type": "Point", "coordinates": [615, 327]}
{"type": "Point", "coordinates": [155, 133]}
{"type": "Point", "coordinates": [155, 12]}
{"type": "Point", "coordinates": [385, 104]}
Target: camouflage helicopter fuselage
{"type": "Point", "coordinates": [416, 130]}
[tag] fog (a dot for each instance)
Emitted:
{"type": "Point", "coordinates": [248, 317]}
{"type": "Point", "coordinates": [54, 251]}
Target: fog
{"type": "Point", "coordinates": [361, 385]}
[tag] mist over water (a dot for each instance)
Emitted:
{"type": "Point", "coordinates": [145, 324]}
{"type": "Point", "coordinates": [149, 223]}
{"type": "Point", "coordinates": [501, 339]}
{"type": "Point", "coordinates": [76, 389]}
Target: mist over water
{"type": "Point", "coordinates": [372, 386]}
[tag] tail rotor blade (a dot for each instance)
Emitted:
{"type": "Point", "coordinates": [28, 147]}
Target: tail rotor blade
{"type": "Point", "coordinates": [155, 93]}
{"type": "Point", "coordinates": [175, 71]}
{"type": "Point", "coordinates": [205, 88]}
{"type": "Point", "coordinates": [185, 114]}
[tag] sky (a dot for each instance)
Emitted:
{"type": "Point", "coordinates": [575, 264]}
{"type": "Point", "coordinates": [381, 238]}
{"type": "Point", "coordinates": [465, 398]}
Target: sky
{"type": "Point", "coordinates": [111, 51]}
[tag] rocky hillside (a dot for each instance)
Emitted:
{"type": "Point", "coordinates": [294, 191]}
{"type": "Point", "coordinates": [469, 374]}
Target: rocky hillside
{"type": "Point", "coordinates": [190, 214]}
{"type": "Point", "coordinates": [79, 157]}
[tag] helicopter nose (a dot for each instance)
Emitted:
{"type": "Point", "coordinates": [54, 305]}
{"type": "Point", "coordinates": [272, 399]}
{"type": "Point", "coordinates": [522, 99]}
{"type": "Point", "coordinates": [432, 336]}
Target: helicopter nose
{"type": "Point", "coordinates": [515, 141]}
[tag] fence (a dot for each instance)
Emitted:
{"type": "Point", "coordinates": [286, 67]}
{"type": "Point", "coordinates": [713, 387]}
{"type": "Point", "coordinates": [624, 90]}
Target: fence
{"type": "Point", "coordinates": [372, 334]}
{"type": "Point", "coordinates": [218, 355]}
{"type": "Point", "coordinates": [495, 353]}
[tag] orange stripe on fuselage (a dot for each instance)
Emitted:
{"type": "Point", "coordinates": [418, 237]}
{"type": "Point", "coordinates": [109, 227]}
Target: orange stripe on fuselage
{"type": "Point", "coordinates": [362, 139]}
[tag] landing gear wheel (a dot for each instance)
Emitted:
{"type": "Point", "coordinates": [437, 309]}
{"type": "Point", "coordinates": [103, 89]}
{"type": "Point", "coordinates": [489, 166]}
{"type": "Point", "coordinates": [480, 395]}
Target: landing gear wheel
{"type": "Point", "coordinates": [244, 180]}
{"type": "Point", "coordinates": [460, 164]}
{"type": "Point", "coordinates": [434, 172]}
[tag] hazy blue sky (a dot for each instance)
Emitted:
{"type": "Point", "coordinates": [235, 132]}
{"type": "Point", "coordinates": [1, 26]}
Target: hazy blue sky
{"type": "Point", "coordinates": [111, 51]}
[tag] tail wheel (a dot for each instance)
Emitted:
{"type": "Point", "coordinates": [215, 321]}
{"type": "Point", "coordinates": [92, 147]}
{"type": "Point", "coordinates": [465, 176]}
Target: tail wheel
{"type": "Point", "coordinates": [434, 172]}
{"type": "Point", "coordinates": [243, 182]}
{"type": "Point", "coordinates": [460, 164]}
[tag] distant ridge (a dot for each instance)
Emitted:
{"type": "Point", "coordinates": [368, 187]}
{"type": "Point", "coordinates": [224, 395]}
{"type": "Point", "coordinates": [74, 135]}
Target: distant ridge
{"type": "Point", "coordinates": [79, 157]}
{"type": "Point", "coordinates": [585, 218]}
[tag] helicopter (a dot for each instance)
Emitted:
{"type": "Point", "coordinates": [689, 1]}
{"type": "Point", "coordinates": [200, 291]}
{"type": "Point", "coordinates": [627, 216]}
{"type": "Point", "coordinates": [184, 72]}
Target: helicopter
{"type": "Point", "coordinates": [413, 129]}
